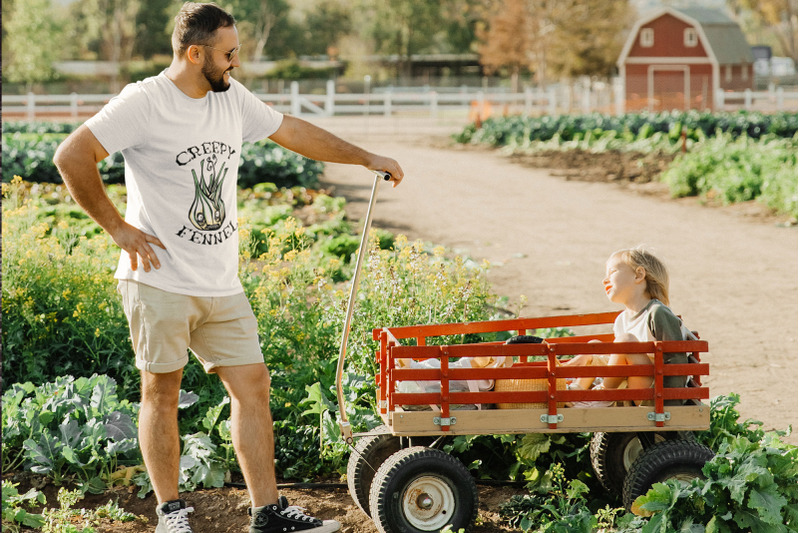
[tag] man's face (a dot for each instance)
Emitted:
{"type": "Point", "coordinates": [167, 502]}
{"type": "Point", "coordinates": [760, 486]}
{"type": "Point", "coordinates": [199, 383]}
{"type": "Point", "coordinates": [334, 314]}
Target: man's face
{"type": "Point", "coordinates": [217, 66]}
{"type": "Point", "coordinates": [218, 77]}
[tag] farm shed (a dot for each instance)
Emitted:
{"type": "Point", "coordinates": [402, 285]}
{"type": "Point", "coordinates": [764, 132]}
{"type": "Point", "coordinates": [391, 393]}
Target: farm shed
{"type": "Point", "coordinates": [677, 58]}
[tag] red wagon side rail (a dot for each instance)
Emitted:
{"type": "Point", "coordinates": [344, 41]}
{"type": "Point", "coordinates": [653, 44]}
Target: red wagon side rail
{"type": "Point", "coordinates": [656, 409]}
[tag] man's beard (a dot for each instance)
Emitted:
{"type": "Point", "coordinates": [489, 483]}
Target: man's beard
{"type": "Point", "coordinates": [217, 82]}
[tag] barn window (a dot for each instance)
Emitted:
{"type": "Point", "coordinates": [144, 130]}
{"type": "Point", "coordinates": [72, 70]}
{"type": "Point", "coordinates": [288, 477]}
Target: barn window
{"type": "Point", "coordinates": [745, 71]}
{"type": "Point", "coordinates": [728, 72]}
{"type": "Point", "coordinates": [647, 37]}
{"type": "Point", "coordinates": [690, 37]}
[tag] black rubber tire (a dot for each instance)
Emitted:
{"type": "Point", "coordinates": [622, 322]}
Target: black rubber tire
{"type": "Point", "coordinates": [369, 454]}
{"type": "Point", "coordinates": [422, 490]}
{"type": "Point", "coordinates": [613, 454]}
{"type": "Point", "coordinates": [674, 459]}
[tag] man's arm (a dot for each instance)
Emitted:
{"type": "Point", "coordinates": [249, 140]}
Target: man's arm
{"type": "Point", "coordinates": [76, 159]}
{"type": "Point", "coordinates": [316, 143]}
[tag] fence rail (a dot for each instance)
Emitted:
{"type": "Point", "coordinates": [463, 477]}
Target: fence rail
{"type": "Point", "coordinates": [577, 98]}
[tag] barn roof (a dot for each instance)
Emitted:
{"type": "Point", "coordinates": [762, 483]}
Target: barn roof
{"type": "Point", "coordinates": [720, 33]}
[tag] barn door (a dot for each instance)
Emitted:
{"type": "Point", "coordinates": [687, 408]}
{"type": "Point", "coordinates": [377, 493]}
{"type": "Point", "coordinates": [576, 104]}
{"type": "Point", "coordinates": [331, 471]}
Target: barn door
{"type": "Point", "coordinates": [668, 87]}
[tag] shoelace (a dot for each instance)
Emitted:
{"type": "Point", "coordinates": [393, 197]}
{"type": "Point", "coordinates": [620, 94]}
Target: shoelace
{"type": "Point", "coordinates": [296, 513]}
{"type": "Point", "coordinates": [178, 522]}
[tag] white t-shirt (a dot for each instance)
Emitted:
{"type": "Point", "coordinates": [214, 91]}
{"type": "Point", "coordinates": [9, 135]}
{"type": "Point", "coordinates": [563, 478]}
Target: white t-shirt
{"type": "Point", "coordinates": [181, 170]}
{"type": "Point", "coordinates": [655, 322]}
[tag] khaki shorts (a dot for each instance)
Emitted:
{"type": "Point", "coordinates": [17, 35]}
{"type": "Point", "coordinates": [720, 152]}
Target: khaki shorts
{"type": "Point", "coordinates": [220, 331]}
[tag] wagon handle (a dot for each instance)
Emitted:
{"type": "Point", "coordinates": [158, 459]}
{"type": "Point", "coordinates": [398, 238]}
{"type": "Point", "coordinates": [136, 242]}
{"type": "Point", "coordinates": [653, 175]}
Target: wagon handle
{"type": "Point", "coordinates": [344, 424]}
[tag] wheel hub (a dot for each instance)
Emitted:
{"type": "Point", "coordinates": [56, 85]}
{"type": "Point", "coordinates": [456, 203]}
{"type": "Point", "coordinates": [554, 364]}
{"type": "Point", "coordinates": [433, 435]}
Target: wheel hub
{"type": "Point", "coordinates": [429, 503]}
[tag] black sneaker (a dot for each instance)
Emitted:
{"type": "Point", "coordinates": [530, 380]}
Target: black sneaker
{"type": "Point", "coordinates": [172, 517]}
{"type": "Point", "coordinates": [282, 517]}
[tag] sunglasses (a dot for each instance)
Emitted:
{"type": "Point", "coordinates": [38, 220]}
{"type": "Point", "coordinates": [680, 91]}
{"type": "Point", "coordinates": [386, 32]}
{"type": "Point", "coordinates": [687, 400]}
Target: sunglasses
{"type": "Point", "coordinates": [230, 54]}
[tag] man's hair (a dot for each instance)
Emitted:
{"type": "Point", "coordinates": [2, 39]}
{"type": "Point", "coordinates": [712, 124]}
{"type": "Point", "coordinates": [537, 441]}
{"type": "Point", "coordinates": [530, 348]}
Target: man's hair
{"type": "Point", "coordinates": [196, 23]}
{"type": "Point", "coordinates": [656, 274]}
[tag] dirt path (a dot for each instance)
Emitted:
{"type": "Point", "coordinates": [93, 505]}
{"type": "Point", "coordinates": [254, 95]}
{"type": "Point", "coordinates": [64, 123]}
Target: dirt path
{"type": "Point", "coordinates": [733, 277]}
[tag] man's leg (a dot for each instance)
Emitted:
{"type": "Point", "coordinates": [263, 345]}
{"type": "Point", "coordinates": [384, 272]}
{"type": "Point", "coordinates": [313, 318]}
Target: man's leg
{"type": "Point", "coordinates": [251, 429]}
{"type": "Point", "coordinates": [158, 431]}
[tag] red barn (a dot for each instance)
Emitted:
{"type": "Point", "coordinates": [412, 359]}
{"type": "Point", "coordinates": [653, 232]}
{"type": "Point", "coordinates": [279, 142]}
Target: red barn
{"type": "Point", "coordinates": [678, 58]}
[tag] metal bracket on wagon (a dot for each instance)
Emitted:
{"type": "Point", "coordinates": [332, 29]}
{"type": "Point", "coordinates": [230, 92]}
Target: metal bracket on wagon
{"type": "Point", "coordinates": [444, 421]}
{"type": "Point", "coordinates": [658, 417]}
{"type": "Point", "coordinates": [551, 419]}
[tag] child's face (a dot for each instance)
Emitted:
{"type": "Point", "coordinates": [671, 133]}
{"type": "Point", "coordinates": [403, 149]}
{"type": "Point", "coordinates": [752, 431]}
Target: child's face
{"type": "Point", "coordinates": [622, 283]}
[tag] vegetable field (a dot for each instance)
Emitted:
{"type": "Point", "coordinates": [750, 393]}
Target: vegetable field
{"type": "Point", "coordinates": [70, 390]}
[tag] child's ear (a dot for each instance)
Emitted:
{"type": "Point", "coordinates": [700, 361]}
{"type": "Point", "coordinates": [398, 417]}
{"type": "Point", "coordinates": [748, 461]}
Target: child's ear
{"type": "Point", "coordinates": [639, 274]}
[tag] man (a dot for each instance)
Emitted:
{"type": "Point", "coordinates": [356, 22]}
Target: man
{"type": "Point", "coordinates": [181, 134]}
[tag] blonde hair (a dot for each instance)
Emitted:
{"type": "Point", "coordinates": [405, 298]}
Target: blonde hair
{"type": "Point", "coordinates": [656, 275]}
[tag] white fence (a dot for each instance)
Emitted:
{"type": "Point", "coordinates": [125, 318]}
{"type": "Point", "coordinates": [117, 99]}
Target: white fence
{"type": "Point", "coordinates": [576, 98]}
{"type": "Point", "coordinates": [773, 99]}
{"type": "Point", "coordinates": [379, 101]}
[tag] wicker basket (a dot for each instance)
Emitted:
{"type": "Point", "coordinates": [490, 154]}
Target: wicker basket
{"type": "Point", "coordinates": [517, 385]}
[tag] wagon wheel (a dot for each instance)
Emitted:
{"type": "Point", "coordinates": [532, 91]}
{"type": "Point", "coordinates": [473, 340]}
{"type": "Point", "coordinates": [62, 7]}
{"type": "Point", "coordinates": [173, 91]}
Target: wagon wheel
{"type": "Point", "coordinates": [613, 454]}
{"type": "Point", "coordinates": [370, 452]}
{"type": "Point", "coordinates": [681, 460]}
{"type": "Point", "coordinates": [422, 490]}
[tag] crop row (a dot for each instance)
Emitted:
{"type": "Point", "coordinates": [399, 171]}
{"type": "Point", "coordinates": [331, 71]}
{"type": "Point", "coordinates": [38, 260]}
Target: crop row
{"type": "Point", "coordinates": [29, 154]}
{"type": "Point", "coordinates": [503, 131]}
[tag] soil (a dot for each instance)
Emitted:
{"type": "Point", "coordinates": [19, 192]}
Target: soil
{"type": "Point", "coordinates": [547, 225]}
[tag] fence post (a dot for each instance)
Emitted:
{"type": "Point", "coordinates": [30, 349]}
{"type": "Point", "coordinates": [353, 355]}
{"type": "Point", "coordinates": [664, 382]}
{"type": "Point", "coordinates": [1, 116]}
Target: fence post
{"type": "Point", "coordinates": [330, 93]}
{"type": "Point", "coordinates": [619, 96]}
{"type": "Point", "coordinates": [73, 105]}
{"type": "Point", "coordinates": [387, 102]}
{"type": "Point", "coordinates": [719, 99]}
{"type": "Point", "coordinates": [31, 106]}
{"type": "Point", "coordinates": [434, 103]}
{"type": "Point", "coordinates": [552, 101]}
{"type": "Point", "coordinates": [779, 98]}
{"type": "Point", "coordinates": [748, 99]}
{"type": "Point", "coordinates": [528, 100]}
{"type": "Point", "coordinates": [294, 106]}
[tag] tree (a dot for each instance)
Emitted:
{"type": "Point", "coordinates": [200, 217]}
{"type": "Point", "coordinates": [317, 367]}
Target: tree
{"type": "Point", "coordinates": [775, 18]}
{"type": "Point", "coordinates": [405, 27]}
{"type": "Point", "coordinates": [509, 41]}
{"type": "Point", "coordinates": [32, 41]}
{"type": "Point", "coordinates": [256, 20]}
{"type": "Point", "coordinates": [588, 37]}
{"type": "Point", "coordinates": [553, 37]}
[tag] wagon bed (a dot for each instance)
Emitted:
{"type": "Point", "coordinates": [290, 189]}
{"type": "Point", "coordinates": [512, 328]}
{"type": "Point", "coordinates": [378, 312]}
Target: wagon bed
{"type": "Point", "coordinates": [662, 408]}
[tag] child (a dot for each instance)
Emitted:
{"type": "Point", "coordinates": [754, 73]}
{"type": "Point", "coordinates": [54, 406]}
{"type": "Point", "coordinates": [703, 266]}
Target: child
{"type": "Point", "coordinates": [639, 281]}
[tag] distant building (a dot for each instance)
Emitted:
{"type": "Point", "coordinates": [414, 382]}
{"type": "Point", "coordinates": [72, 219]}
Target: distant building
{"type": "Point", "coordinates": [677, 58]}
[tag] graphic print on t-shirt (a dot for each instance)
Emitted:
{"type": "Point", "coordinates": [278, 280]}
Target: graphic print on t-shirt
{"type": "Point", "coordinates": [208, 164]}
{"type": "Point", "coordinates": [208, 209]}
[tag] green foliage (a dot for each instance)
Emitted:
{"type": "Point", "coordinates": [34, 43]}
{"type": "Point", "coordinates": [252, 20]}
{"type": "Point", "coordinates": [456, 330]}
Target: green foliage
{"type": "Point", "coordinates": [16, 508]}
{"type": "Point", "coordinates": [557, 506]}
{"type": "Point", "coordinates": [732, 157]}
{"type": "Point", "coordinates": [69, 429]}
{"type": "Point", "coordinates": [28, 152]}
{"type": "Point", "coordinates": [521, 130]}
{"type": "Point", "coordinates": [749, 486]}
{"type": "Point", "coordinates": [61, 313]}
{"type": "Point", "coordinates": [739, 169]}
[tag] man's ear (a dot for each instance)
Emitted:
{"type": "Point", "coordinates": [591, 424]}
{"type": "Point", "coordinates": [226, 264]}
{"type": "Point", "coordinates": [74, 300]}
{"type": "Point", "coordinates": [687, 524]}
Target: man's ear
{"type": "Point", "coordinates": [193, 54]}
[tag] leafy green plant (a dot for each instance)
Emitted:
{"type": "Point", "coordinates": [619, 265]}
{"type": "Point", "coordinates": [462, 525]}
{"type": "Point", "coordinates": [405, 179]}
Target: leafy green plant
{"type": "Point", "coordinates": [69, 429]}
{"type": "Point", "coordinates": [732, 169]}
{"type": "Point", "coordinates": [16, 508]}
{"type": "Point", "coordinates": [558, 505]}
{"type": "Point", "coordinates": [749, 486]}
{"type": "Point", "coordinates": [28, 152]}
{"type": "Point", "coordinates": [521, 130]}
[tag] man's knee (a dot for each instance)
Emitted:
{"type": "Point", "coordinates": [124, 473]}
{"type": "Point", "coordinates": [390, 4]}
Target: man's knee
{"type": "Point", "coordinates": [161, 388]}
